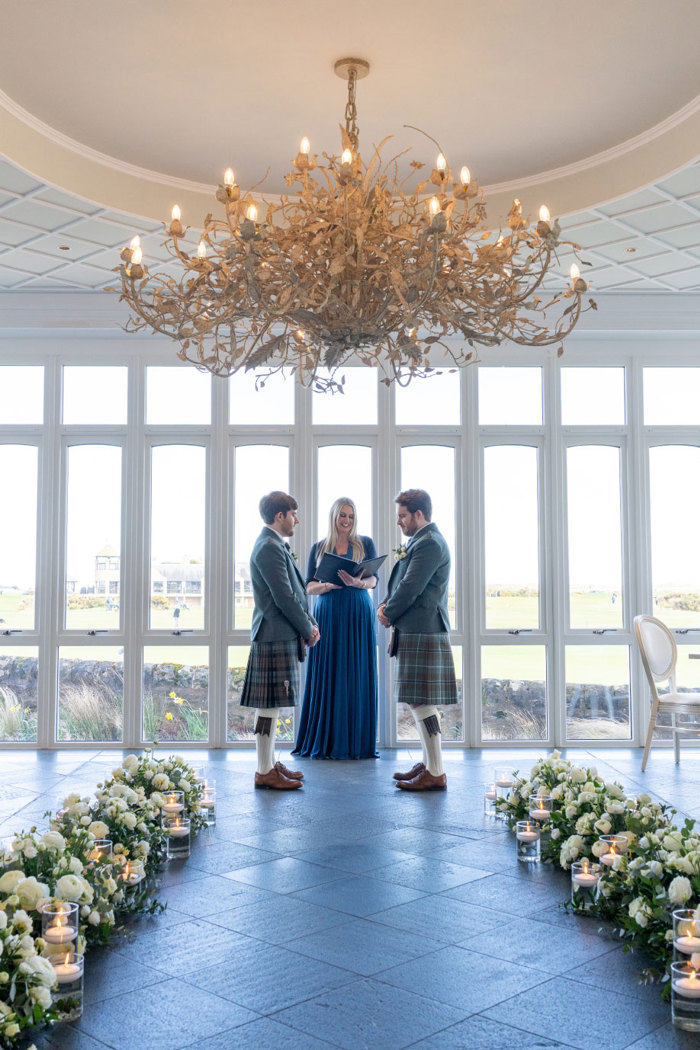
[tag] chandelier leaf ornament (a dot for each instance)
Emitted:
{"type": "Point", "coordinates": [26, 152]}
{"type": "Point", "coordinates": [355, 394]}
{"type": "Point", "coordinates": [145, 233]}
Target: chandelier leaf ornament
{"type": "Point", "coordinates": [353, 264]}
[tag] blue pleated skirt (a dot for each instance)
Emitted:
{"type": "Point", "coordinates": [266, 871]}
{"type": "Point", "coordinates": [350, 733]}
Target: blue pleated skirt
{"type": "Point", "coordinates": [339, 710]}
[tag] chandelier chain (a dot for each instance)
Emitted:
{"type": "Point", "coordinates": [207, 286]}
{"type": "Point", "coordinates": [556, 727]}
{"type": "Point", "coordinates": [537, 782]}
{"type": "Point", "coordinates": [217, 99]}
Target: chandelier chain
{"type": "Point", "coordinates": [351, 111]}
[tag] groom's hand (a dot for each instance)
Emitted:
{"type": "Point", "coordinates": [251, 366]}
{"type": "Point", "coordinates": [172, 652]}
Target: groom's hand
{"type": "Point", "coordinates": [315, 637]}
{"type": "Point", "coordinates": [382, 618]}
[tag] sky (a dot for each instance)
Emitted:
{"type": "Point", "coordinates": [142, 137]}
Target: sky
{"type": "Point", "coordinates": [177, 396]}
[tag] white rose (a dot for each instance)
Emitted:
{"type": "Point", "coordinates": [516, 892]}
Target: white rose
{"type": "Point", "coordinates": [555, 833]}
{"type": "Point", "coordinates": [30, 850]}
{"type": "Point", "coordinates": [683, 864]}
{"type": "Point", "coordinates": [161, 781]}
{"type": "Point", "coordinates": [10, 880]}
{"type": "Point", "coordinates": [603, 826]}
{"type": "Point", "coordinates": [30, 892]}
{"type": "Point", "coordinates": [616, 807]}
{"type": "Point", "coordinates": [75, 865]}
{"type": "Point", "coordinates": [571, 812]}
{"type": "Point", "coordinates": [129, 821]}
{"type": "Point", "coordinates": [680, 890]}
{"type": "Point", "coordinates": [94, 918]}
{"type": "Point", "coordinates": [99, 829]}
{"type": "Point", "coordinates": [578, 775]}
{"type": "Point", "coordinates": [131, 764]}
{"type": "Point", "coordinates": [73, 888]}
{"type": "Point", "coordinates": [41, 996]}
{"type": "Point", "coordinates": [85, 821]}
{"type": "Point", "coordinates": [53, 840]}
{"type": "Point", "coordinates": [3, 920]}
{"type": "Point", "coordinates": [11, 1029]}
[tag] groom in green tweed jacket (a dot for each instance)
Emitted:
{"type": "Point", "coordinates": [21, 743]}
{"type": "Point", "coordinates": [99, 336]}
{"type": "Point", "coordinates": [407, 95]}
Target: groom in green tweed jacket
{"type": "Point", "coordinates": [417, 610]}
{"type": "Point", "coordinates": [281, 627]}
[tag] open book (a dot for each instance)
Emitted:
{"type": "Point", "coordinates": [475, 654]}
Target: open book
{"type": "Point", "coordinates": [327, 568]}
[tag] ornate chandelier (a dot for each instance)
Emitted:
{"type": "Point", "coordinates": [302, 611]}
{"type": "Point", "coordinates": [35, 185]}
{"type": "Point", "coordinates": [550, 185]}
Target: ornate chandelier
{"type": "Point", "coordinates": [352, 262]}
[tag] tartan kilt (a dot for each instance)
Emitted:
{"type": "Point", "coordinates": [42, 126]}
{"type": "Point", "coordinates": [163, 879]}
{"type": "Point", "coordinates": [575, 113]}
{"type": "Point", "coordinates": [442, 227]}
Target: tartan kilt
{"type": "Point", "coordinates": [425, 670]}
{"type": "Point", "coordinates": [272, 675]}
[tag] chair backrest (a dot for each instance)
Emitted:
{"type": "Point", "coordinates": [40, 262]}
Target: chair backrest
{"type": "Point", "coordinates": [658, 649]}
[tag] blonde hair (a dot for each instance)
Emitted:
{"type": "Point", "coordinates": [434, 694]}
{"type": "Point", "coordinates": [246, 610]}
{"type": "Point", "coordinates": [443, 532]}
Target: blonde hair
{"type": "Point", "coordinates": [354, 542]}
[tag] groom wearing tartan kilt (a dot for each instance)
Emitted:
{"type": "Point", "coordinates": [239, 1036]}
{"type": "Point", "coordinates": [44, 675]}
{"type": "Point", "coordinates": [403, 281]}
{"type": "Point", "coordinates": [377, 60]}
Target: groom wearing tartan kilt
{"type": "Point", "coordinates": [416, 608]}
{"type": "Point", "coordinates": [281, 627]}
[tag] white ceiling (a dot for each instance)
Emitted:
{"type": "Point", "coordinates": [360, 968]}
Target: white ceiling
{"type": "Point", "coordinates": [646, 241]}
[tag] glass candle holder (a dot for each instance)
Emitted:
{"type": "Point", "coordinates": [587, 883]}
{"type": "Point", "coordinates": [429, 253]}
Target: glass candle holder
{"type": "Point", "coordinates": [584, 883]}
{"type": "Point", "coordinates": [173, 804]}
{"type": "Point", "coordinates": [100, 852]}
{"type": "Point", "coordinates": [60, 922]}
{"type": "Point", "coordinates": [611, 847]}
{"type": "Point", "coordinates": [132, 874]}
{"type": "Point", "coordinates": [503, 779]}
{"type": "Point", "coordinates": [685, 996]}
{"type": "Point", "coordinates": [541, 807]}
{"type": "Point", "coordinates": [178, 832]}
{"type": "Point", "coordinates": [527, 841]}
{"type": "Point", "coordinates": [207, 803]}
{"type": "Point", "coordinates": [67, 996]}
{"type": "Point", "coordinates": [490, 796]}
{"type": "Point", "coordinates": [198, 774]}
{"type": "Point", "coordinates": [686, 934]}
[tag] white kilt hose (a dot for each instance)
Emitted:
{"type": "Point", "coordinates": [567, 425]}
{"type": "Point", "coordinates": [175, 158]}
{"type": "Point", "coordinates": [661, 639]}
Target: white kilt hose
{"type": "Point", "coordinates": [425, 670]}
{"type": "Point", "coordinates": [272, 675]}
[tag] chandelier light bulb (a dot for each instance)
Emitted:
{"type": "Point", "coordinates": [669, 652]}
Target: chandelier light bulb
{"type": "Point", "coordinates": [305, 146]}
{"type": "Point", "coordinates": [465, 176]}
{"type": "Point", "coordinates": [574, 272]}
{"type": "Point", "coordinates": [175, 214]}
{"type": "Point", "coordinates": [252, 213]}
{"type": "Point", "coordinates": [202, 250]}
{"type": "Point", "coordinates": [347, 156]}
{"type": "Point", "coordinates": [434, 206]}
{"type": "Point", "coordinates": [135, 243]}
{"type": "Point", "coordinates": [544, 213]}
{"type": "Point", "coordinates": [229, 178]}
{"type": "Point", "coordinates": [137, 257]}
{"type": "Point", "coordinates": [441, 163]}
{"type": "Point", "coordinates": [517, 205]}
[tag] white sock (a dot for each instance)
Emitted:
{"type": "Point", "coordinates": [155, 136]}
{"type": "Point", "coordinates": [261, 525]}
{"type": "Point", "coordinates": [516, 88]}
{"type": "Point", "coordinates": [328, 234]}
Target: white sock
{"type": "Point", "coordinates": [431, 743]}
{"type": "Point", "coordinates": [264, 742]}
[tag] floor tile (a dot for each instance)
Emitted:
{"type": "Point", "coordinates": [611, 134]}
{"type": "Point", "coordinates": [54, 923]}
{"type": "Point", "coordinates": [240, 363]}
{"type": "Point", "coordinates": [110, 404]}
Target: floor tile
{"type": "Point", "coordinates": [178, 950]}
{"type": "Point", "coordinates": [463, 979]}
{"type": "Point", "coordinates": [369, 1014]}
{"type": "Point", "coordinates": [106, 976]}
{"type": "Point", "coordinates": [359, 895]}
{"type": "Point", "coordinates": [617, 969]}
{"type": "Point", "coordinates": [357, 857]}
{"type": "Point", "coordinates": [482, 1033]}
{"type": "Point", "coordinates": [210, 895]}
{"type": "Point", "coordinates": [523, 941]}
{"type": "Point", "coordinates": [666, 1038]}
{"type": "Point", "coordinates": [584, 1017]}
{"type": "Point", "coordinates": [509, 894]}
{"type": "Point", "coordinates": [284, 875]}
{"type": "Point", "coordinates": [264, 1034]}
{"type": "Point", "coordinates": [363, 946]}
{"type": "Point", "coordinates": [429, 874]}
{"type": "Point", "coordinates": [440, 918]}
{"type": "Point", "coordinates": [277, 920]}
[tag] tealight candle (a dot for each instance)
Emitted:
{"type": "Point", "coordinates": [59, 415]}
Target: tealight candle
{"type": "Point", "coordinates": [688, 987]}
{"type": "Point", "coordinates": [686, 931]}
{"type": "Point", "coordinates": [611, 847]}
{"type": "Point", "coordinates": [174, 803]}
{"type": "Point", "coordinates": [67, 972]}
{"type": "Point", "coordinates": [685, 996]}
{"type": "Point", "coordinates": [527, 841]}
{"type": "Point", "coordinates": [528, 836]}
{"type": "Point", "coordinates": [178, 832]}
{"type": "Point", "coordinates": [491, 794]}
{"type": "Point", "coordinates": [59, 933]}
{"type": "Point", "coordinates": [585, 879]}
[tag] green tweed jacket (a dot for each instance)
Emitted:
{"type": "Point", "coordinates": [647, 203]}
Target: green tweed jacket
{"type": "Point", "coordinates": [417, 602]}
{"type": "Point", "coordinates": [281, 610]}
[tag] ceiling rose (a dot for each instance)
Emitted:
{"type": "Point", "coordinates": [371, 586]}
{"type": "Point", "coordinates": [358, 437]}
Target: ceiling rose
{"type": "Point", "coordinates": [353, 262]}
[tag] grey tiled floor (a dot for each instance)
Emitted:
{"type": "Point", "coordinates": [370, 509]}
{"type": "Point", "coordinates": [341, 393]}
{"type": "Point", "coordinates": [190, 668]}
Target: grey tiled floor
{"type": "Point", "coordinates": [351, 915]}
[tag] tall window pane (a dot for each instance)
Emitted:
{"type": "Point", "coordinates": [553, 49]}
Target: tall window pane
{"type": "Point", "coordinates": [270, 402]}
{"type": "Point", "coordinates": [178, 523]}
{"type": "Point", "coordinates": [432, 467]}
{"type": "Point", "coordinates": [21, 394]}
{"type": "Point", "coordinates": [345, 470]}
{"type": "Point", "coordinates": [595, 536]}
{"type": "Point", "coordinates": [510, 396]}
{"type": "Point", "coordinates": [19, 676]}
{"type": "Point", "coordinates": [511, 537]}
{"type": "Point", "coordinates": [258, 469]}
{"type": "Point", "coordinates": [671, 396]}
{"type": "Point", "coordinates": [90, 693]}
{"type": "Point", "coordinates": [592, 396]}
{"type": "Point", "coordinates": [513, 692]}
{"type": "Point", "coordinates": [598, 692]}
{"type": "Point", "coordinates": [175, 692]}
{"type": "Point", "coordinates": [675, 550]}
{"type": "Point", "coordinates": [356, 406]}
{"type": "Point", "coordinates": [95, 394]}
{"type": "Point", "coordinates": [93, 537]}
{"type": "Point", "coordinates": [18, 471]}
{"type": "Point", "coordinates": [177, 396]}
{"type": "Point", "coordinates": [433, 401]}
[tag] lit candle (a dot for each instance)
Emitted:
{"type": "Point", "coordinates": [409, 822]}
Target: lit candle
{"type": "Point", "coordinates": [228, 178]}
{"type": "Point", "coordinates": [135, 243]}
{"type": "Point", "coordinates": [441, 163]}
{"type": "Point", "coordinates": [252, 213]}
{"type": "Point", "coordinates": [434, 206]}
{"type": "Point", "coordinates": [304, 146]}
{"type": "Point", "coordinates": [202, 250]}
{"type": "Point", "coordinates": [688, 943]}
{"type": "Point", "coordinates": [178, 832]}
{"type": "Point", "coordinates": [528, 836]}
{"type": "Point", "coordinates": [544, 214]}
{"type": "Point", "coordinates": [504, 782]}
{"type": "Point", "coordinates": [137, 256]}
{"type": "Point", "coordinates": [60, 933]}
{"type": "Point", "coordinates": [688, 987]}
{"type": "Point", "coordinates": [585, 879]}
{"type": "Point", "coordinates": [176, 214]}
{"type": "Point", "coordinates": [491, 794]}
{"type": "Point", "coordinates": [172, 804]}
{"type": "Point", "coordinates": [465, 176]}
{"type": "Point", "coordinates": [67, 972]}
{"type": "Point", "coordinates": [609, 858]}
{"type": "Point", "coordinates": [346, 158]}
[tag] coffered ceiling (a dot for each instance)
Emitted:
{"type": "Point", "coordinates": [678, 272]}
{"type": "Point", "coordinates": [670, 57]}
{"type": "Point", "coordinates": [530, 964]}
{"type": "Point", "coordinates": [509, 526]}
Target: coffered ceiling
{"type": "Point", "coordinates": [109, 113]}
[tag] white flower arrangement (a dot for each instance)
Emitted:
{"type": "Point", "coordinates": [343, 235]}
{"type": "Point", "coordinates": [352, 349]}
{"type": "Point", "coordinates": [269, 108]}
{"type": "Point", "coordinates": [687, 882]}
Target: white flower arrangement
{"type": "Point", "coordinates": [26, 978]}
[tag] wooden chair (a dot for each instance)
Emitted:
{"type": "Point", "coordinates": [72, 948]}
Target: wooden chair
{"type": "Point", "coordinates": [659, 654]}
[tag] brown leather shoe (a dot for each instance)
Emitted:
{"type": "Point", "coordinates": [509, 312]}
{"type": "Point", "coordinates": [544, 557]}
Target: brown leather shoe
{"type": "Point", "coordinates": [425, 781]}
{"type": "Point", "coordinates": [275, 779]}
{"type": "Point", "coordinates": [293, 774]}
{"type": "Point", "coordinates": [418, 768]}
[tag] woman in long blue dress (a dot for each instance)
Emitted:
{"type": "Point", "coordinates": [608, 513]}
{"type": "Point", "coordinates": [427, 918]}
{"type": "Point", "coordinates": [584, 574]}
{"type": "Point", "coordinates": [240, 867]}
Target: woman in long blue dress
{"type": "Point", "coordinates": [339, 709]}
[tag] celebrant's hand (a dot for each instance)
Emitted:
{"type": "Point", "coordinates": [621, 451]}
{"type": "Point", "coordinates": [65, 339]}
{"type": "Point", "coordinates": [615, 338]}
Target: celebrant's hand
{"type": "Point", "coordinates": [382, 618]}
{"type": "Point", "coordinates": [352, 581]}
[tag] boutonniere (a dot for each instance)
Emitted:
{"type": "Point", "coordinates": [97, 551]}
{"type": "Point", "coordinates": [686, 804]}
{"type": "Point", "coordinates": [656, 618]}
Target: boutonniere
{"type": "Point", "coordinates": [296, 559]}
{"type": "Point", "coordinates": [400, 552]}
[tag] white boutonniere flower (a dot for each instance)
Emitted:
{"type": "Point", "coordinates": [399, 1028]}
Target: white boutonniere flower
{"type": "Point", "coordinates": [400, 552]}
